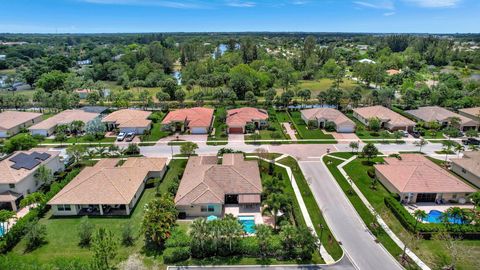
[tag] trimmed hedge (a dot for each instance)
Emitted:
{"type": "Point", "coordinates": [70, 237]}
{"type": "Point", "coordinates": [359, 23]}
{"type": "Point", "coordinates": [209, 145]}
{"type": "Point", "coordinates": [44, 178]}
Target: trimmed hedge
{"type": "Point", "coordinates": [18, 230]}
{"type": "Point", "coordinates": [176, 254]}
{"type": "Point", "coordinates": [408, 221]}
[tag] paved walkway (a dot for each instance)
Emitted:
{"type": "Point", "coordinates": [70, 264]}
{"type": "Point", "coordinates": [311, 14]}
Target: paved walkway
{"type": "Point", "coordinates": [303, 208]}
{"type": "Point", "coordinates": [379, 219]}
{"type": "Point", "coordinates": [344, 221]}
{"type": "Point", "coordinates": [291, 132]}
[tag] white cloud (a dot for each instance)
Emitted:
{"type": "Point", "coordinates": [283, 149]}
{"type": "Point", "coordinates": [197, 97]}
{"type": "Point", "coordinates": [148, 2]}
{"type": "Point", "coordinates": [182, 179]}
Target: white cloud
{"type": "Point", "coordinates": [387, 14]}
{"type": "Point", "coordinates": [434, 3]}
{"type": "Point", "coordinates": [241, 4]}
{"type": "Point", "coordinates": [300, 2]}
{"type": "Point", "coordinates": [376, 4]}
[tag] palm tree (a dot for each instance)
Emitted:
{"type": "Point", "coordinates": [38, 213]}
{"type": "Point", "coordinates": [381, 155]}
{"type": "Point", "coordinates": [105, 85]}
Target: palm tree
{"type": "Point", "coordinates": [419, 216]}
{"type": "Point", "coordinates": [32, 198]}
{"type": "Point", "coordinates": [459, 148]}
{"type": "Point", "coordinates": [456, 213]}
{"type": "Point", "coordinates": [275, 203]}
{"type": "Point", "coordinates": [199, 232]}
{"type": "Point", "coordinates": [43, 174]}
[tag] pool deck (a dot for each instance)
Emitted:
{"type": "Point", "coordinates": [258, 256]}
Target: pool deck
{"type": "Point", "coordinates": [427, 207]}
{"type": "Point", "coordinates": [256, 212]}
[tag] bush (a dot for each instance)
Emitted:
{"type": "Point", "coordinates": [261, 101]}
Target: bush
{"type": "Point", "coordinates": [249, 247]}
{"type": "Point", "coordinates": [330, 126]}
{"type": "Point", "coordinates": [371, 172]}
{"type": "Point", "coordinates": [176, 254]}
{"type": "Point", "coordinates": [128, 239]}
{"type": "Point", "coordinates": [374, 134]}
{"type": "Point", "coordinates": [85, 232]}
{"type": "Point", "coordinates": [178, 239]}
{"type": "Point", "coordinates": [271, 128]}
{"type": "Point", "coordinates": [35, 236]}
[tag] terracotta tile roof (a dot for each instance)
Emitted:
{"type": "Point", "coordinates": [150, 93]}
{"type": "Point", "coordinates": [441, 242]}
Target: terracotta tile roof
{"type": "Point", "coordinates": [195, 117]}
{"type": "Point", "coordinates": [329, 114]}
{"type": "Point", "coordinates": [392, 72]}
{"type": "Point", "coordinates": [127, 118]}
{"type": "Point", "coordinates": [106, 183]}
{"type": "Point", "coordinates": [205, 181]}
{"type": "Point", "coordinates": [10, 119]}
{"type": "Point", "coordinates": [9, 196]}
{"type": "Point", "coordinates": [9, 175]}
{"type": "Point", "coordinates": [470, 162]}
{"type": "Point", "coordinates": [64, 118]}
{"type": "Point", "coordinates": [415, 173]}
{"type": "Point", "coordinates": [435, 113]}
{"type": "Point", "coordinates": [475, 112]}
{"type": "Point", "coordinates": [241, 116]}
{"type": "Point", "coordinates": [385, 115]}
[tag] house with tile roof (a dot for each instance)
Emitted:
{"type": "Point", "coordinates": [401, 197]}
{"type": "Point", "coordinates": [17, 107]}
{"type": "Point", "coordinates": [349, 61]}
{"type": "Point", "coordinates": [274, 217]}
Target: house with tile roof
{"type": "Point", "coordinates": [468, 167]}
{"type": "Point", "coordinates": [107, 188]}
{"type": "Point", "coordinates": [237, 119]}
{"type": "Point", "coordinates": [196, 120]}
{"type": "Point", "coordinates": [417, 179]}
{"type": "Point", "coordinates": [321, 116]}
{"type": "Point", "coordinates": [206, 186]}
{"type": "Point", "coordinates": [389, 119]}
{"type": "Point", "coordinates": [472, 113]}
{"type": "Point", "coordinates": [47, 127]}
{"type": "Point", "coordinates": [11, 122]}
{"type": "Point", "coordinates": [442, 116]}
{"type": "Point", "coordinates": [17, 174]}
{"type": "Point", "coordinates": [128, 120]}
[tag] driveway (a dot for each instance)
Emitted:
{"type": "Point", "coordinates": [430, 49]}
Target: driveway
{"type": "Point", "coordinates": [344, 136]}
{"type": "Point", "coordinates": [291, 132]}
{"type": "Point", "coordinates": [344, 221]}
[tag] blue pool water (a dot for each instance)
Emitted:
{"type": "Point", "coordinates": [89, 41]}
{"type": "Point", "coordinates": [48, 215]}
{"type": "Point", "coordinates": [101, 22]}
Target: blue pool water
{"type": "Point", "coordinates": [1, 230]}
{"type": "Point", "coordinates": [434, 217]}
{"type": "Point", "coordinates": [248, 223]}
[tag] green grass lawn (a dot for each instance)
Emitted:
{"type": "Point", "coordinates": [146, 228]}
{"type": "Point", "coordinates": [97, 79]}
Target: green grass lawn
{"type": "Point", "coordinates": [62, 232]}
{"type": "Point", "coordinates": [328, 240]}
{"type": "Point", "coordinates": [156, 133]}
{"type": "Point", "coordinates": [266, 134]}
{"type": "Point", "coordinates": [361, 209]}
{"type": "Point", "coordinates": [304, 133]}
{"type": "Point", "coordinates": [220, 129]}
{"type": "Point", "coordinates": [430, 251]}
{"type": "Point", "coordinates": [79, 140]}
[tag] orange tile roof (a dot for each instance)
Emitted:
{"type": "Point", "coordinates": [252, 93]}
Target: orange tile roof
{"type": "Point", "coordinates": [11, 119]}
{"type": "Point", "coordinates": [416, 174]}
{"type": "Point", "coordinates": [242, 116]}
{"type": "Point", "coordinates": [127, 118]}
{"type": "Point", "coordinates": [106, 183]}
{"type": "Point", "coordinates": [195, 117]}
{"type": "Point", "coordinates": [392, 72]}
{"type": "Point", "coordinates": [205, 181]}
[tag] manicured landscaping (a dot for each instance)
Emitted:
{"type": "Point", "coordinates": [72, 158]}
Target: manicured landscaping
{"type": "Point", "coordinates": [305, 133]}
{"type": "Point", "coordinates": [327, 238]}
{"type": "Point", "coordinates": [361, 209]}
{"type": "Point", "coordinates": [156, 132]}
{"type": "Point", "coordinates": [273, 132]}
{"type": "Point", "coordinates": [220, 133]}
{"type": "Point", "coordinates": [429, 251]}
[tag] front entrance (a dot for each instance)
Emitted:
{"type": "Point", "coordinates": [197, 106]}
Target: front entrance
{"type": "Point", "coordinates": [231, 199]}
{"type": "Point", "coordinates": [426, 197]}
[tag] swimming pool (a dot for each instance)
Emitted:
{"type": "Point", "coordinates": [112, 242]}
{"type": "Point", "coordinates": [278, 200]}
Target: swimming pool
{"type": "Point", "coordinates": [1, 230]}
{"type": "Point", "coordinates": [434, 216]}
{"type": "Point", "coordinates": [248, 223]}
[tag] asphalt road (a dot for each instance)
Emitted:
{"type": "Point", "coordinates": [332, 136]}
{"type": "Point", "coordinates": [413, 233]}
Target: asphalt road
{"type": "Point", "coordinates": [344, 221]}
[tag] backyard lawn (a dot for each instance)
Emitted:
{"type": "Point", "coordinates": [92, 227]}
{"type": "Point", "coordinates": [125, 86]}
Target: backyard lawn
{"type": "Point", "coordinates": [304, 133]}
{"type": "Point", "coordinates": [62, 232]}
{"type": "Point", "coordinates": [430, 251]}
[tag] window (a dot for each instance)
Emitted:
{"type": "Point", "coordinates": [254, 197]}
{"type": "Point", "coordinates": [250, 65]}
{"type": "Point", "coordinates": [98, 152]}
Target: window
{"type": "Point", "coordinates": [464, 171]}
{"type": "Point", "coordinates": [208, 208]}
{"type": "Point", "coordinates": [454, 196]}
{"type": "Point", "coordinates": [11, 185]}
{"type": "Point", "coordinates": [64, 207]}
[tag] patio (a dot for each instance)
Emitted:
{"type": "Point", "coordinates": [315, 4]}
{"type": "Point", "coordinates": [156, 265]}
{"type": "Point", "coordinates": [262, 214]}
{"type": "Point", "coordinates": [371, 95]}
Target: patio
{"type": "Point", "coordinates": [239, 210]}
{"type": "Point", "coordinates": [427, 207]}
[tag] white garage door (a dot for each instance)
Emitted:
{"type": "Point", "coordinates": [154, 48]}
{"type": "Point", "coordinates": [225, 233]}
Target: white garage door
{"type": "Point", "coordinates": [198, 130]}
{"type": "Point", "coordinates": [345, 129]}
{"type": "Point", "coordinates": [39, 132]}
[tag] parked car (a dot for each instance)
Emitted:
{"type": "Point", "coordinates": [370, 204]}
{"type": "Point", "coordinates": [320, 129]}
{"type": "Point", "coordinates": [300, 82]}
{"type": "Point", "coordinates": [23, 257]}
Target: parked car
{"type": "Point", "coordinates": [416, 134]}
{"type": "Point", "coordinates": [129, 137]}
{"type": "Point", "coordinates": [121, 136]}
{"type": "Point", "coordinates": [471, 141]}
{"type": "Point", "coordinates": [404, 133]}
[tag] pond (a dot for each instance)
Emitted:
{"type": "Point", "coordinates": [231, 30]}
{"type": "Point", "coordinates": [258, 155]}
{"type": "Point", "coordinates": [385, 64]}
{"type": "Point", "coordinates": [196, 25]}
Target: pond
{"type": "Point", "coordinates": [178, 76]}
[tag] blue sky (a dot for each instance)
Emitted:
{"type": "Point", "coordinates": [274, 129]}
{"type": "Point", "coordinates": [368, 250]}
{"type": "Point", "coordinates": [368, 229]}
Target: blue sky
{"type": "Point", "coordinates": [102, 16]}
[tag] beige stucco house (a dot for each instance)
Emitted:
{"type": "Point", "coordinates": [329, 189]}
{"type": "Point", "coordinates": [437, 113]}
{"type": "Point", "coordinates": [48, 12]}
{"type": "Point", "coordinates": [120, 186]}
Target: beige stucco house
{"type": "Point", "coordinates": [107, 188]}
{"type": "Point", "coordinates": [389, 119]}
{"type": "Point", "coordinates": [321, 116]}
{"type": "Point", "coordinates": [442, 116]}
{"type": "Point", "coordinates": [468, 167]}
{"type": "Point", "coordinates": [47, 127]}
{"type": "Point", "coordinates": [11, 122]}
{"type": "Point", "coordinates": [128, 120]}
{"type": "Point", "coordinates": [206, 186]}
{"type": "Point", "coordinates": [17, 174]}
{"type": "Point", "coordinates": [417, 179]}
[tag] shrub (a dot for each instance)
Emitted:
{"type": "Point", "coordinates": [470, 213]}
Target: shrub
{"type": "Point", "coordinates": [330, 126]}
{"type": "Point", "coordinates": [35, 236]}
{"type": "Point", "coordinates": [127, 235]}
{"type": "Point", "coordinates": [176, 254]}
{"type": "Point", "coordinates": [371, 172]}
{"type": "Point", "coordinates": [178, 239]}
{"type": "Point", "coordinates": [85, 232]}
{"type": "Point", "coordinates": [374, 134]}
{"type": "Point", "coordinates": [271, 128]}
{"type": "Point", "coordinates": [249, 247]}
